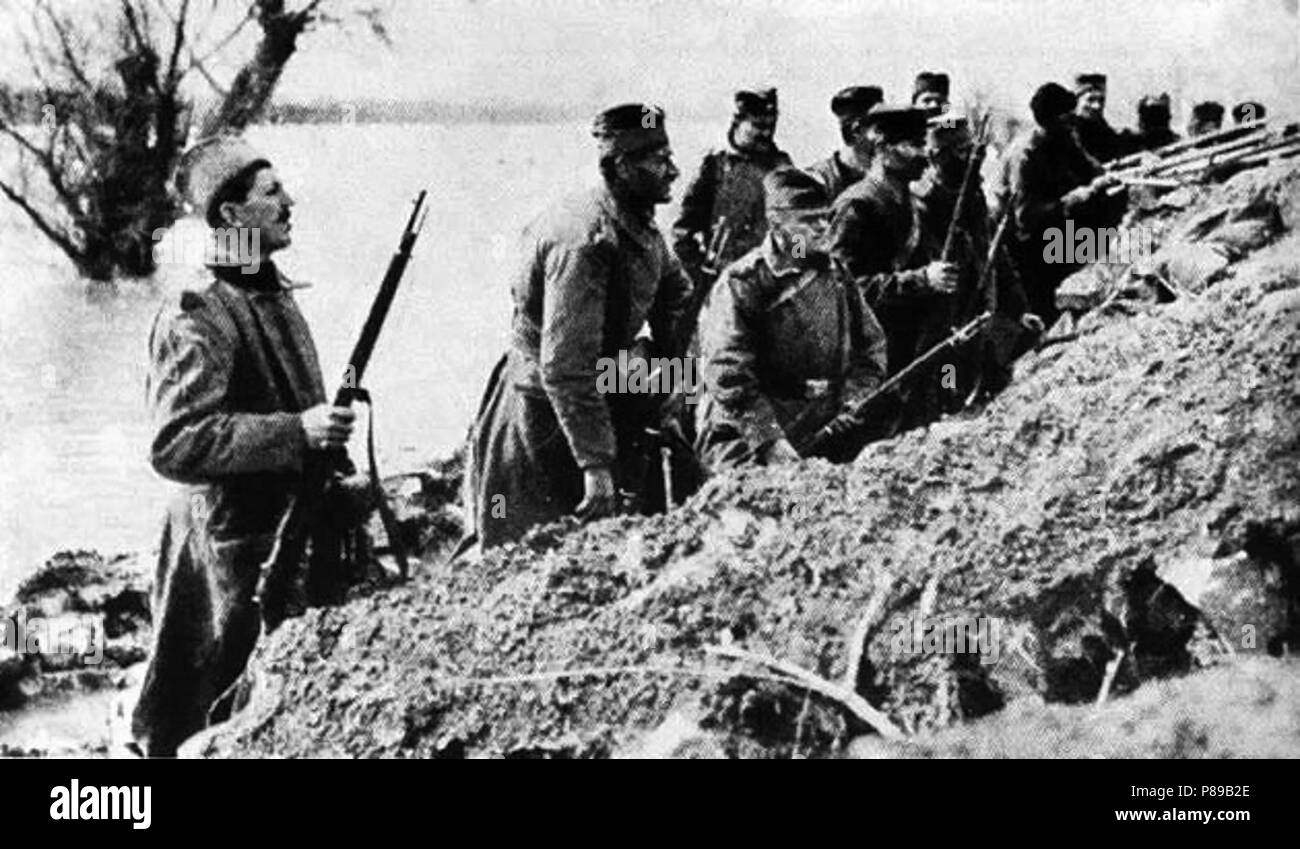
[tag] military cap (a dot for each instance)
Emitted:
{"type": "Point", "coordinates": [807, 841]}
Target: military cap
{"type": "Point", "coordinates": [855, 101]}
{"type": "Point", "coordinates": [935, 82]}
{"type": "Point", "coordinates": [793, 190]}
{"type": "Point", "coordinates": [630, 128]}
{"type": "Point", "coordinates": [1050, 101]}
{"type": "Point", "coordinates": [755, 102]}
{"type": "Point", "coordinates": [1152, 106]}
{"type": "Point", "coordinates": [897, 121]}
{"type": "Point", "coordinates": [1208, 111]}
{"type": "Point", "coordinates": [206, 168]}
{"type": "Point", "coordinates": [1248, 110]}
{"type": "Point", "coordinates": [1090, 82]}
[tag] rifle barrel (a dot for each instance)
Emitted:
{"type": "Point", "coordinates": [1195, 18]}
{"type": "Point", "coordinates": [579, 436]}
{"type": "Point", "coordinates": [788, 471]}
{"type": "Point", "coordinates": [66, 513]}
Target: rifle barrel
{"type": "Point", "coordinates": [972, 165]}
{"type": "Point", "coordinates": [365, 344]}
{"type": "Point", "coordinates": [1238, 142]}
{"type": "Point", "coordinates": [852, 417]}
{"type": "Point", "coordinates": [1125, 162]}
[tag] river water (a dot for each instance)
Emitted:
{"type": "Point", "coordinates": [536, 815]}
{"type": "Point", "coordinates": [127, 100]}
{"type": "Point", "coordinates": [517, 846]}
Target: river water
{"type": "Point", "coordinates": [73, 357]}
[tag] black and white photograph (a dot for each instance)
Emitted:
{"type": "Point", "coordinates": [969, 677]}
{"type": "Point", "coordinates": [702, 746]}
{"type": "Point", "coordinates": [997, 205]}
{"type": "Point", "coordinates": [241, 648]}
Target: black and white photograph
{"type": "Point", "coordinates": [674, 379]}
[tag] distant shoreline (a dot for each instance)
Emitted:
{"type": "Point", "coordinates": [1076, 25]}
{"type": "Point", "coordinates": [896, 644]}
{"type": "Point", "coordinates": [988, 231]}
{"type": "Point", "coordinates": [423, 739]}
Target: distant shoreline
{"type": "Point", "coordinates": [428, 112]}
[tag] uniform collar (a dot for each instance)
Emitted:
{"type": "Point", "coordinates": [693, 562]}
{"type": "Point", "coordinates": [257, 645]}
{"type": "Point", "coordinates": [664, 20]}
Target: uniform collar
{"type": "Point", "coordinates": [637, 225]}
{"type": "Point", "coordinates": [752, 155]}
{"type": "Point", "coordinates": [266, 280]}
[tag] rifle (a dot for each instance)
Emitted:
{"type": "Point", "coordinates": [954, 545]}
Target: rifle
{"type": "Point", "coordinates": [1214, 138]}
{"type": "Point", "coordinates": [1246, 145]}
{"type": "Point", "coordinates": [973, 161]}
{"type": "Point", "coordinates": [854, 418]}
{"type": "Point", "coordinates": [985, 289]}
{"type": "Point", "coordinates": [718, 244]}
{"type": "Point", "coordinates": [278, 572]}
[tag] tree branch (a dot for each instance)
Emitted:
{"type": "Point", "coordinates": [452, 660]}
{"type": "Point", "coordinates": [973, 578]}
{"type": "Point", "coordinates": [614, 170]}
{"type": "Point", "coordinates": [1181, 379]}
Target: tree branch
{"type": "Point", "coordinates": [133, 23]}
{"type": "Point", "coordinates": [51, 232]}
{"type": "Point", "coordinates": [207, 76]}
{"type": "Point", "coordinates": [178, 34]}
{"type": "Point", "coordinates": [48, 164]}
{"type": "Point", "coordinates": [224, 42]}
{"type": "Point", "coordinates": [66, 45]}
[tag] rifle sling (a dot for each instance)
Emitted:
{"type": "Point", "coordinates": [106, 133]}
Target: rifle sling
{"type": "Point", "coordinates": [391, 528]}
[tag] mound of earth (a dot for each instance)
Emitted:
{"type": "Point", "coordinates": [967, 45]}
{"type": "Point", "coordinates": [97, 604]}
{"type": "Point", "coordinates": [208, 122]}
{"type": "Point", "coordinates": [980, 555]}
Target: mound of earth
{"type": "Point", "coordinates": [1237, 710]}
{"type": "Point", "coordinates": [74, 625]}
{"type": "Point", "coordinates": [74, 638]}
{"type": "Point", "coordinates": [1125, 513]}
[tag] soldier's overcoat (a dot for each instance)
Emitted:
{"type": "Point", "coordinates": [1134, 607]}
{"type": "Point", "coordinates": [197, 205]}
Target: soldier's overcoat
{"type": "Point", "coordinates": [786, 345]}
{"type": "Point", "coordinates": [232, 366]}
{"type": "Point", "coordinates": [593, 275]}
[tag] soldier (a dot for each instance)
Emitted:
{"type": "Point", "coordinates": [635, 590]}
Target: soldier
{"type": "Point", "coordinates": [949, 145]}
{"type": "Point", "coordinates": [238, 409]}
{"type": "Point", "coordinates": [846, 166]}
{"type": "Point", "coordinates": [1207, 117]}
{"type": "Point", "coordinates": [1051, 180]}
{"type": "Point", "coordinates": [723, 206]}
{"type": "Point", "coordinates": [930, 92]}
{"type": "Point", "coordinates": [1098, 139]}
{"type": "Point", "coordinates": [1248, 111]}
{"type": "Point", "coordinates": [874, 233]}
{"type": "Point", "coordinates": [788, 341]}
{"type": "Point", "coordinates": [596, 271]}
{"type": "Point", "coordinates": [1153, 128]}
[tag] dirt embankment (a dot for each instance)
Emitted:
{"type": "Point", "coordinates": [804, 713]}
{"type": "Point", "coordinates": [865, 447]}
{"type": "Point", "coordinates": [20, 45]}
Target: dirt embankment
{"type": "Point", "coordinates": [1126, 513]}
{"type": "Point", "coordinates": [74, 638]}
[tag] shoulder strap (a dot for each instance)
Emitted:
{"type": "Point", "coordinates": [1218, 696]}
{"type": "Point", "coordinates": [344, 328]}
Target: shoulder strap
{"type": "Point", "coordinates": [392, 529]}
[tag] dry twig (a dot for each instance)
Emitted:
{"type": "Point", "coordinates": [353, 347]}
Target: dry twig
{"type": "Point", "coordinates": [1106, 682]}
{"type": "Point", "coordinates": [847, 698]}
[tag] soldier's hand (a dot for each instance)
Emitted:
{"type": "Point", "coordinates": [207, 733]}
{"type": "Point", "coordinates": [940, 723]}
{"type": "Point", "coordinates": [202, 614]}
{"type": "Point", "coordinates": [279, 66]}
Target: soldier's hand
{"type": "Point", "coordinates": [941, 277]}
{"type": "Point", "coordinates": [599, 494]}
{"type": "Point", "coordinates": [1032, 323]}
{"type": "Point", "coordinates": [327, 426]}
{"type": "Point", "coordinates": [781, 452]}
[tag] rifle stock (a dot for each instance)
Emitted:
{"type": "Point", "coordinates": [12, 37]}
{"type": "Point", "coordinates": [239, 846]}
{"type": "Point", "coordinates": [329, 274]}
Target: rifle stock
{"type": "Point", "coordinates": [855, 417]}
{"type": "Point", "coordinates": [278, 572]}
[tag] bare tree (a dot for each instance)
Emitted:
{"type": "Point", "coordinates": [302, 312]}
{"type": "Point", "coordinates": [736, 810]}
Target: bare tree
{"type": "Point", "coordinates": [113, 114]}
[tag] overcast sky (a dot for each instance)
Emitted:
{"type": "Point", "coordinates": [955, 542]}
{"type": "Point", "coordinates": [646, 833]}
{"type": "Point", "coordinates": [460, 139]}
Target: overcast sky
{"type": "Point", "coordinates": [690, 54]}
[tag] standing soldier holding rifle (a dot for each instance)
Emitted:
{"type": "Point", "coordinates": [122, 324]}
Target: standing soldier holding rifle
{"type": "Point", "coordinates": [875, 233]}
{"type": "Point", "coordinates": [596, 272]}
{"type": "Point", "coordinates": [1051, 180]}
{"type": "Point", "coordinates": [722, 210]}
{"type": "Point", "coordinates": [788, 341]}
{"type": "Point", "coordinates": [239, 413]}
{"type": "Point", "coordinates": [954, 223]}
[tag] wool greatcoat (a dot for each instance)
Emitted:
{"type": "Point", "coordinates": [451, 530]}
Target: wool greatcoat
{"type": "Point", "coordinates": [786, 345]}
{"type": "Point", "coordinates": [232, 366]}
{"type": "Point", "coordinates": [593, 275]}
